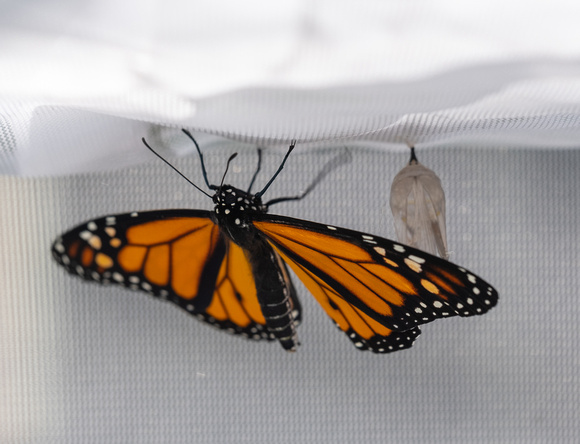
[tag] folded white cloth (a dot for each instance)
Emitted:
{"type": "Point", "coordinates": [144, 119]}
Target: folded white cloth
{"type": "Point", "coordinates": [79, 87]}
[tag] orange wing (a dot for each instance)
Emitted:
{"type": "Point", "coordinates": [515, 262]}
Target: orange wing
{"type": "Point", "coordinates": [178, 255]}
{"type": "Point", "coordinates": [376, 290]}
{"type": "Point", "coordinates": [362, 330]}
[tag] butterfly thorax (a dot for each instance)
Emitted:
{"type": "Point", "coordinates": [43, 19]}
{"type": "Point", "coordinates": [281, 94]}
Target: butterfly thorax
{"type": "Point", "coordinates": [233, 212]}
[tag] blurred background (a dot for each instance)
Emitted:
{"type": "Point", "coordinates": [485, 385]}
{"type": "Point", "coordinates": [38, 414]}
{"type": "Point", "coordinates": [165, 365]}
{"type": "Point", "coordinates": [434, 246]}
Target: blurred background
{"type": "Point", "coordinates": [488, 93]}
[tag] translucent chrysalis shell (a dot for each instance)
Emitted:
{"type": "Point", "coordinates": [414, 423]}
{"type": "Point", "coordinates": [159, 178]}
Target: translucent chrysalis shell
{"type": "Point", "coordinates": [418, 206]}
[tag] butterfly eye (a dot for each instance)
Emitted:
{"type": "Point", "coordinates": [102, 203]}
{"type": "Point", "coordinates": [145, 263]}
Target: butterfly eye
{"type": "Point", "coordinates": [418, 206]}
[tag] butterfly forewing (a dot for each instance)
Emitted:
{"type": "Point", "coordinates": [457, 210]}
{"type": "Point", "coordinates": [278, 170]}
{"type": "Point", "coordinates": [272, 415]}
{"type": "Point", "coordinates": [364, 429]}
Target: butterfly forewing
{"type": "Point", "coordinates": [178, 255]}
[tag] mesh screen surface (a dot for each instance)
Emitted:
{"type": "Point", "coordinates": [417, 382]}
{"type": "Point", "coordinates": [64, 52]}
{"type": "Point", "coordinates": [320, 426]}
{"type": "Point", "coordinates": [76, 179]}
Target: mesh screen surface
{"type": "Point", "coordinates": [85, 363]}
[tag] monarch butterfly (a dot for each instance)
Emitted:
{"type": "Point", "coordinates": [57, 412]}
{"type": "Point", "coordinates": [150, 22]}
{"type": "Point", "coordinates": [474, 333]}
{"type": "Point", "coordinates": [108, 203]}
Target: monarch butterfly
{"type": "Point", "coordinates": [229, 268]}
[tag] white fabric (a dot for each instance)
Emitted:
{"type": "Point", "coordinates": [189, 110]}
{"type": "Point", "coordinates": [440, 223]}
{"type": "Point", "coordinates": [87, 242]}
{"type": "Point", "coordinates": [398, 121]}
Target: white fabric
{"type": "Point", "coordinates": [79, 85]}
{"type": "Point", "coordinates": [477, 84]}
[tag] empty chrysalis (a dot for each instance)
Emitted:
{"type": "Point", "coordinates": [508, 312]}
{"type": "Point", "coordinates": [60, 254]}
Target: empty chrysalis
{"type": "Point", "coordinates": [418, 206]}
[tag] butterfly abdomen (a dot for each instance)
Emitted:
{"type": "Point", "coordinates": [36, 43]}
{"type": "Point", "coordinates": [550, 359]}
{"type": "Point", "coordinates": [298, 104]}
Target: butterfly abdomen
{"type": "Point", "coordinates": [274, 290]}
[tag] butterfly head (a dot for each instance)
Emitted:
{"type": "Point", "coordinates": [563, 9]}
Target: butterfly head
{"type": "Point", "coordinates": [235, 207]}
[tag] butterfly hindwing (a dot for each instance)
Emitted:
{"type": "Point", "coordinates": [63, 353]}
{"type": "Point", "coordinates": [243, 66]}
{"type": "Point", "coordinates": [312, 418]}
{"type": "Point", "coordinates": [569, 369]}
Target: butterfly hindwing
{"type": "Point", "coordinates": [235, 306]}
{"type": "Point", "coordinates": [178, 255]}
{"type": "Point", "coordinates": [362, 330]}
{"type": "Point", "coordinates": [394, 285]}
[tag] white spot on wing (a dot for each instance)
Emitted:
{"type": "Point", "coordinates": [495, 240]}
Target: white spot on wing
{"type": "Point", "coordinates": [95, 242]}
{"type": "Point", "coordinates": [381, 251]}
{"type": "Point", "coordinates": [413, 265]}
{"type": "Point", "coordinates": [417, 259]}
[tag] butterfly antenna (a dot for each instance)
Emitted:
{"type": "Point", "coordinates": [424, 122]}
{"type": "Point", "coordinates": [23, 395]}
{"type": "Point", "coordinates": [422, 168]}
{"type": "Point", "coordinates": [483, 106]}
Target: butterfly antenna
{"type": "Point", "coordinates": [257, 170]}
{"type": "Point", "coordinates": [260, 193]}
{"type": "Point", "coordinates": [203, 170]}
{"type": "Point", "coordinates": [232, 157]}
{"type": "Point", "coordinates": [330, 166]}
{"type": "Point", "coordinates": [174, 169]}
